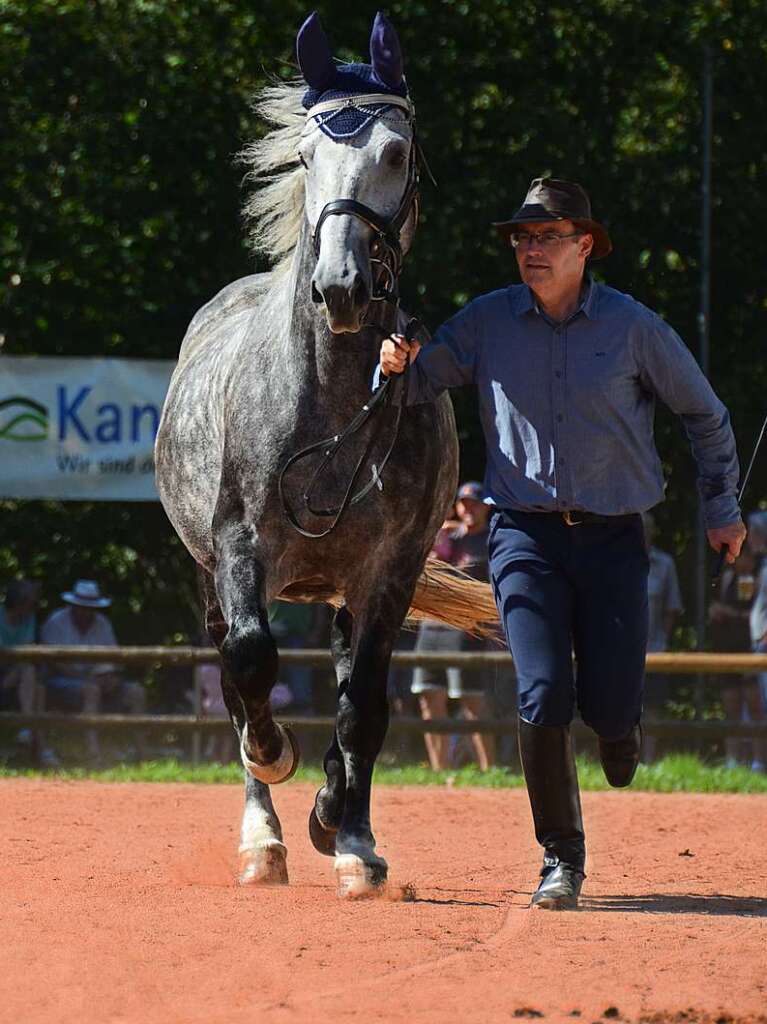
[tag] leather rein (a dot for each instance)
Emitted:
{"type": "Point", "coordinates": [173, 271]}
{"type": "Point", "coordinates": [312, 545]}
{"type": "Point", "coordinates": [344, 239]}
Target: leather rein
{"type": "Point", "coordinates": [386, 258]}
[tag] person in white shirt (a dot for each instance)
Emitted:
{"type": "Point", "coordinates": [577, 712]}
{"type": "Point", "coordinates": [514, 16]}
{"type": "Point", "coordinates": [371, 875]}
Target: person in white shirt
{"type": "Point", "coordinates": [88, 687]}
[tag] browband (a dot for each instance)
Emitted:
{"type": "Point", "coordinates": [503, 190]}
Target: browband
{"type": "Point", "coordinates": [363, 100]}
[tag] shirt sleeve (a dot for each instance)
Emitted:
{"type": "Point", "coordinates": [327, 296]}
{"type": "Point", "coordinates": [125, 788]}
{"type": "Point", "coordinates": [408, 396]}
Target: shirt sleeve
{"type": "Point", "coordinates": [49, 634]}
{"type": "Point", "coordinates": [109, 638]}
{"type": "Point", "coordinates": [448, 361]}
{"type": "Point", "coordinates": [54, 633]}
{"type": "Point", "coordinates": [105, 637]}
{"type": "Point", "coordinates": [669, 370]}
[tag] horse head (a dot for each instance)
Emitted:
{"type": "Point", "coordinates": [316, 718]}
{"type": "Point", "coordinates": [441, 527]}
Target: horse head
{"type": "Point", "coordinates": [360, 189]}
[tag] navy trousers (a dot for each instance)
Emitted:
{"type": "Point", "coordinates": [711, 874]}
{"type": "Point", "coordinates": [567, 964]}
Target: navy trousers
{"type": "Point", "coordinates": [573, 589]}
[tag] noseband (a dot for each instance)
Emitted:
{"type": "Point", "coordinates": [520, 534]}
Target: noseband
{"type": "Point", "coordinates": [386, 248]}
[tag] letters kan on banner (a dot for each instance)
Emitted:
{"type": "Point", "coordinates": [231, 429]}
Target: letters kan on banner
{"type": "Point", "coordinates": [80, 428]}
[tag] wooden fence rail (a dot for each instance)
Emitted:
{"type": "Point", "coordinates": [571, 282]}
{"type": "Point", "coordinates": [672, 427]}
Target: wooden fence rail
{"type": "Point", "coordinates": [675, 663]}
{"type": "Point", "coordinates": [679, 728]}
{"type": "Point", "coordinates": [668, 663]}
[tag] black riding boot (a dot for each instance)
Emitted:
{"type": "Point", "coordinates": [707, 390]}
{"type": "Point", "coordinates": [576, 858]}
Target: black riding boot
{"type": "Point", "coordinates": [552, 785]}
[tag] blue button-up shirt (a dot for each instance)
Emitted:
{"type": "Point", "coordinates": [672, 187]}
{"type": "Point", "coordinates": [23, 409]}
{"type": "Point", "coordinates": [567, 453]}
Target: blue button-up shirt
{"type": "Point", "coordinates": [567, 408]}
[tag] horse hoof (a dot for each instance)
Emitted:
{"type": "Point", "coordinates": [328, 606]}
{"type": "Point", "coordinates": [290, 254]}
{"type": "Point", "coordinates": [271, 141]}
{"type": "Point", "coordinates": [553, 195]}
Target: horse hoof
{"type": "Point", "coordinates": [278, 771]}
{"type": "Point", "coordinates": [323, 839]}
{"type": "Point", "coordinates": [264, 865]}
{"type": "Point", "coordinates": [358, 879]}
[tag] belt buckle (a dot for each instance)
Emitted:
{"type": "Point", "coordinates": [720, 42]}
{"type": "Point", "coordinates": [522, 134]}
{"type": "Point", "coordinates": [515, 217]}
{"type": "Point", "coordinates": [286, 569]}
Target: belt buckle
{"type": "Point", "coordinates": [568, 518]}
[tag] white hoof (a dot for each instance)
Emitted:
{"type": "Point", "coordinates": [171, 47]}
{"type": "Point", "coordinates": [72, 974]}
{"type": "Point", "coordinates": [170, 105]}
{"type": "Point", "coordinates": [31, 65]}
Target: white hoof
{"type": "Point", "coordinates": [280, 770]}
{"type": "Point", "coordinates": [265, 864]}
{"type": "Point", "coordinates": [358, 878]}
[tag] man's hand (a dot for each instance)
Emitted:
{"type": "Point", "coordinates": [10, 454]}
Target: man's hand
{"type": "Point", "coordinates": [731, 536]}
{"type": "Point", "coordinates": [395, 352]}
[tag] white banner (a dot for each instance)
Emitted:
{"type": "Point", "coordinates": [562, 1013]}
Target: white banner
{"type": "Point", "coordinates": [80, 429]}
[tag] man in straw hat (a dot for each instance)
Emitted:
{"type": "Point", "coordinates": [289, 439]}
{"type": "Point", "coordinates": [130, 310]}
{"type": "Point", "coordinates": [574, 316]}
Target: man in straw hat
{"type": "Point", "coordinates": [568, 372]}
{"type": "Point", "coordinates": [85, 686]}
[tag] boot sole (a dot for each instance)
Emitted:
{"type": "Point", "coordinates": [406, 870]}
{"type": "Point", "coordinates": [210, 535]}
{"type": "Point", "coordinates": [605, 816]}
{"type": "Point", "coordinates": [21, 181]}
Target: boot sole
{"type": "Point", "coordinates": [555, 903]}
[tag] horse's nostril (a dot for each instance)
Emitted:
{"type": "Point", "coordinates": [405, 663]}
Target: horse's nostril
{"type": "Point", "coordinates": [317, 298]}
{"type": "Point", "coordinates": [360, 293]}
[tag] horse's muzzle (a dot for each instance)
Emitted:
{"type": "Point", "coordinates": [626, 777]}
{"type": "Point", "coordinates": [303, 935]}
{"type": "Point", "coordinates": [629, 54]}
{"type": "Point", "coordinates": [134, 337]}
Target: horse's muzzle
{"type": "Point", "coordinates": [345, 307]}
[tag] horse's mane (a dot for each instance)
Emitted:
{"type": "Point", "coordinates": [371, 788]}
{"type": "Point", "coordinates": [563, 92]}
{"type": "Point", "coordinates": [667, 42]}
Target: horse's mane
{"type": "Point", "coordinates": [275, 208]}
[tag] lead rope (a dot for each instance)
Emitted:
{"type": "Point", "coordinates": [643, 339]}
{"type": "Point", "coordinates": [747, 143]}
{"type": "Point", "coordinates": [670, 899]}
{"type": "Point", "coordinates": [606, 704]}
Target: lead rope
{"type": "Point", "coordinates": [331, 446]}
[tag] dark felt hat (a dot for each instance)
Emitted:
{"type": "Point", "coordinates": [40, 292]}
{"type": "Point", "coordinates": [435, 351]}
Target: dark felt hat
{"type": "Point", "coordinates": [554, 199]}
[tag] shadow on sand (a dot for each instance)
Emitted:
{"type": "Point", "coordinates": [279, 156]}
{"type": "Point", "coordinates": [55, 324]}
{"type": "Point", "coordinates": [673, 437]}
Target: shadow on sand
{"type": "Point", "coordinates": [691, 903]}
{"type": "Point", "coordinates": [457, 903]}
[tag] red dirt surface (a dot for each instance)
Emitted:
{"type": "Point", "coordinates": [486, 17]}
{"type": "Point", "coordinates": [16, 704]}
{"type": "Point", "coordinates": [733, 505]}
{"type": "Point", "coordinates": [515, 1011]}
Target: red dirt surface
{"type": "Point", "coordinates": [118, 904]}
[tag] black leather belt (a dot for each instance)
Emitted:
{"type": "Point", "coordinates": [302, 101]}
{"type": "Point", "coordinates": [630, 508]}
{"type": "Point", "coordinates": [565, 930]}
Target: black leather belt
{"type": "Point", "coordinates": [576, 517]}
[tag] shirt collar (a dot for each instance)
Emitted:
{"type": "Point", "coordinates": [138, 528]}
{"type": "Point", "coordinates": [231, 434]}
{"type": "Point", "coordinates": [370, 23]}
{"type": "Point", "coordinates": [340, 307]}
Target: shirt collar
{"type": "Point", "coordinates": [523, 300]}
{"type": "Point", "coordinates": [590, 301]}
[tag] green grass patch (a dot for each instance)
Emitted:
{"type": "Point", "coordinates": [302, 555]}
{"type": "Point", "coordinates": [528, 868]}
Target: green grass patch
{"type": "Point", "coordinates": [677, 773]}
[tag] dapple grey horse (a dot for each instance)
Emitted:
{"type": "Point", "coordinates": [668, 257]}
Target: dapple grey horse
{"type": "Point", "coordinates": [277, 361]}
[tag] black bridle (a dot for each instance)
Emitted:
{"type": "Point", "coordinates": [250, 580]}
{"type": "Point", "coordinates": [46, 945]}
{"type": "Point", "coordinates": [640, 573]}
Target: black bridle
{"type": "Point", "coordinates": [385, 247]}
{"type": "Point", "coordinates": [386, 258]}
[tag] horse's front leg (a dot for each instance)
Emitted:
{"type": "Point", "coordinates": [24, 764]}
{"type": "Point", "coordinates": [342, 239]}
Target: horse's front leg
{"type": "Point", "coordinates": [328, 809]}
{"type": "Point", "coordinates": [269, 751]}
{"type": "Point", "coordinates": [363, 718]}
{"type": "Point", "coordinates": [262, 852]}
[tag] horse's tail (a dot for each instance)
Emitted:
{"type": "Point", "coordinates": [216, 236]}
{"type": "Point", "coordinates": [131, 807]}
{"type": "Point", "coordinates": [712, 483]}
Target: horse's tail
{"type": "Point", "coordinates": [445, 594]}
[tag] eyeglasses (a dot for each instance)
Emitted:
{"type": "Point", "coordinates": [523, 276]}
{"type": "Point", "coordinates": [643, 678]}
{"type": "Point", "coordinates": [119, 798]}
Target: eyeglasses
{"type": "Point", "coordinates": [546, 239]}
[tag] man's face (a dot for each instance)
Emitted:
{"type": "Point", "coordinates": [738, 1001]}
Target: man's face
{"type": "Point", "coordinates": [83, 617]}
{"type": "Point", "coordinates": [472, 513]}
{"type": "Point", "coordinates": [549, 268]}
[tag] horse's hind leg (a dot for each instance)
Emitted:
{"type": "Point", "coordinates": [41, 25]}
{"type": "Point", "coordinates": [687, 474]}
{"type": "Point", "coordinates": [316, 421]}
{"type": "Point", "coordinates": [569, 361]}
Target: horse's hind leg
{"type": "Point", "coordinates": [269, 751]}
{"type": "Point", "coordinates": [329, 802]}
{"type": "Point", "coordinates": [262, 851]}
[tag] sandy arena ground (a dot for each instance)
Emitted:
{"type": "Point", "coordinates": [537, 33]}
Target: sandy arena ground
{"type": "Point", "coordinates": [118, 904]}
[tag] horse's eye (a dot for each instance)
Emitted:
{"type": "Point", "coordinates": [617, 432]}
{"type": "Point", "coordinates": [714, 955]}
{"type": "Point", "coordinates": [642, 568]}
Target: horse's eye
{"type": "Point", "coordinates": [396, 156]}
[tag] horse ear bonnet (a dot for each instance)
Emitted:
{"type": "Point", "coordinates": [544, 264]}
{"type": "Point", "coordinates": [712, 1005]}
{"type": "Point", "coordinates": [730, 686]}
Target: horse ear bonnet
{"type": "Point", "coordinates": [315, 57]}
{"type": "Point", "coordinates": [385, 52]}
{"type": "Point", "coordinates": [329, 81]}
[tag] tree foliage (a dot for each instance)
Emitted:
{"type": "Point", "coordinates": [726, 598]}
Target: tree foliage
{"type": "Point", "coordinates": [119, 199]}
